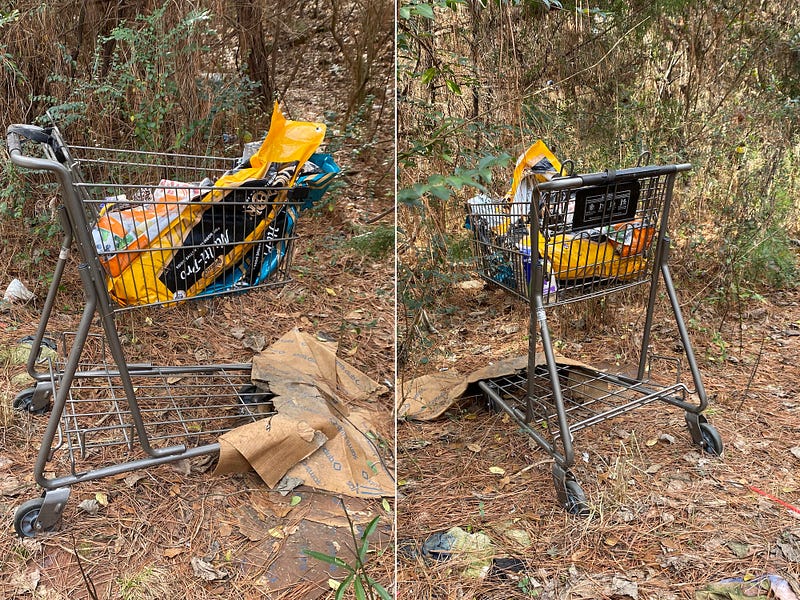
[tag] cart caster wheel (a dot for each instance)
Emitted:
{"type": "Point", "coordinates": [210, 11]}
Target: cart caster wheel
{"type": "Point", "coordinates": [24, 402]}
{"type": "Point", "coordinates": [576, 503]}
{"type": "Point", "coordinates": [26, 516]}
{"type": "Point", "coordinates": [712, 442]}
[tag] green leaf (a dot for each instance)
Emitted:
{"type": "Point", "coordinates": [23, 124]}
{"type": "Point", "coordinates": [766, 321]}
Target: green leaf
{"type": "Point", "coordinates": [386, 506]}
{"type": "Point", "coordinates": [331, 560]}
{"type": "Point", "coordinates": [424, 10]}
{"type": "Point", "coordinates": [295, 501]}
{"type": "Point", "coordinates": [440, 192]}
{"type": "Point", "coordinates": [407, 195]}
{"type": "Point", "coordinates": [358, 587]}
{"type": "Point", "coordinates": [453, 87]}
{"type": "Point", "coordinates": [379, 588]}
{"type": "Point", "coordinates": [405, 12]}
{"type": "Point", "coordinates": [343, 587]}
{"type": "Point", "coordinates": [428, 75]}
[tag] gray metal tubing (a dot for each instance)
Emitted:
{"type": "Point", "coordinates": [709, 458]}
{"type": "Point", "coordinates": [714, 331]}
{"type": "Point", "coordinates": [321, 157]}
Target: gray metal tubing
{"type": "Point", "coordinates": [515, 414]}
{"type": "Point", "coordinates": [92, 275]}
{"type": "Point", "coordinates": [49, 302]}
{"type": "Point", "coordinates": [62, 393]}
{"type": "Point", "coordinates": [538, 316]}
{"type": "Point", "coordinates": [127, 467]}
{"type": "Point", "coordinates": [552, 368]}
{"type": "Point", "coordinates": [608, 177]}
{"type": "Point", "coordinates": [687, 344]}
{"type": "Point", "coordinates": [60, 400]}
{"type": "Point", "coordinates": [151, 370]}
{"type": "Point", "coordinates": [661, 258]}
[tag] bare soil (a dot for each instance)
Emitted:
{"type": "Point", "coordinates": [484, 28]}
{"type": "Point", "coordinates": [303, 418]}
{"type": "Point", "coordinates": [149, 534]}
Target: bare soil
{"type": "Point", "coordinates": [666, 519]}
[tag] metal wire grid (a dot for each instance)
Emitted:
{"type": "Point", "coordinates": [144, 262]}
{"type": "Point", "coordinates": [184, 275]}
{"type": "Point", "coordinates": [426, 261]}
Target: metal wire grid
{"type": "Point", "coordinates": [589, 396]}
{"type": "Point", "coordinates": [190, 405]}
{"type": "Point", "coordinates": [503, 249]}
{"type": "Point", "coordinates": [131, 179]}
{"type": "Point", "coordinates": [192, 409]}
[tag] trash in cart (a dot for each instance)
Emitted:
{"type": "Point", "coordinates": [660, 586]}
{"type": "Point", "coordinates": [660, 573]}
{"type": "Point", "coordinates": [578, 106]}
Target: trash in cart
{"type": "Point", "coordinates": [108, 415]}
{"type": "Point", "coordinates": [188, 241]}
{"type": "Point", "coordinates": [591, 233]}
{"type": "Point", "coordinates": [558, 238]}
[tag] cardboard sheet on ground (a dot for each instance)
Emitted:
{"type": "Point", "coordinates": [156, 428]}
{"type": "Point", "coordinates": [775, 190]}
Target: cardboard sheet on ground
{"type": "Point", "coordinates": [428, 397]}
{"type": "Point", "coordinates": [316, 435]}
{"type": "Point", "coordinates": [305, 576]}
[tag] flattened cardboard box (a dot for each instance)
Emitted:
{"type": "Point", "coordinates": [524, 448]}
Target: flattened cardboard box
{"type": "Point", "coordinates": [315, 435]}
{"type": "Point", "coordinates": [428, 397]}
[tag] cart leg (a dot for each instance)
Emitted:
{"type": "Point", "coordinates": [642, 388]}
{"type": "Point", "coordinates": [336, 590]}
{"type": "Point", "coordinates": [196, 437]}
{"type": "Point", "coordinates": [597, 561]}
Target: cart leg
{"type": "Point", "coordinates": [49, 302]}
{"type": "Point", "coordinates": [684, 335]}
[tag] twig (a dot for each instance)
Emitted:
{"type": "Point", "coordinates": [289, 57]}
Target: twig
{"type": "Point", "coordinates": [752, 374]}
{"type": "Point", "coordinates": [379, 216]}
{"type": "Point", "coordinates": [90, 588]}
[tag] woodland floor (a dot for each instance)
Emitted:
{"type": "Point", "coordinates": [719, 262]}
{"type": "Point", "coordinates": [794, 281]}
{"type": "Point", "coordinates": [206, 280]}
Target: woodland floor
{"type": "Point", "coordinates": [665, 520]}
{"type": "Point", "coordinates": [140, 545]}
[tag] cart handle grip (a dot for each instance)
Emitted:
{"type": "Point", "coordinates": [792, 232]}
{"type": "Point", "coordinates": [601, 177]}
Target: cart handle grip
{"type": "Point", "coordinates": [611, 176]}
{"type": "Point", "coordinates": [14, 135]}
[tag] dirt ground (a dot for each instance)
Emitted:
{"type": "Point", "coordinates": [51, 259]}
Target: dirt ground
{"type": "Point", "coordinates": [178, 531]}
{"type": "Point", "coordinates": [665, 520]}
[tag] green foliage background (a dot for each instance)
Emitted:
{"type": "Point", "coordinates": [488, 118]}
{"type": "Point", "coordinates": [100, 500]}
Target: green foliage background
{"type": "Point", "coordinates": [714, 84]}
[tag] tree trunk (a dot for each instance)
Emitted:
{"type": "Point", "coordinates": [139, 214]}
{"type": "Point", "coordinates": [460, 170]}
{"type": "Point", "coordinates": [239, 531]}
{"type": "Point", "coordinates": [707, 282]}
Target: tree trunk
{"type": "Point", "coordinates": [253, 50]}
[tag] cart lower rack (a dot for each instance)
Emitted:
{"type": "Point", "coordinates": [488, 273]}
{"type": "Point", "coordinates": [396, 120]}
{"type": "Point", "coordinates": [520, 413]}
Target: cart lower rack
{"type": "Point", "coordinates": [567, 240]}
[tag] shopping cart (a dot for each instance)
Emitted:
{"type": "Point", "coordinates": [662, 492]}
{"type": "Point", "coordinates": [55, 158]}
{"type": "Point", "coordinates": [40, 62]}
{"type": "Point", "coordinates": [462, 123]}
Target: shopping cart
{"type": "Point", "coordinates": [178, 240]}
{"type": "Point", "coordinates": [571, 239]}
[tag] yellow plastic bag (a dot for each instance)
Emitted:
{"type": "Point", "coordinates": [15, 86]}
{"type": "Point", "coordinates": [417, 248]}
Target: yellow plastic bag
{"type": "Point", "coordinates": [287, 141]}
{"type": "Point", "coordinates": [542, 164]}
{"type": "Point", "coordinates": [568, 257]}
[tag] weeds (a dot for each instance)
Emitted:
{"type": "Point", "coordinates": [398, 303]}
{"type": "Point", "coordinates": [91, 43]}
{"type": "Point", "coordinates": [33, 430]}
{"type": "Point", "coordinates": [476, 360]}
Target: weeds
{"type": "Point", "coordinates": [377, 243]}
{"type": "Point", "coordinates": [363, 585]}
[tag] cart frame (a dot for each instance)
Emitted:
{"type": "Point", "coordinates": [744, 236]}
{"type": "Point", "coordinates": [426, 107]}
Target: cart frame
{"type": "Point", "coordinates": [551, 401]}
{"type": "Point", "coordinates": [143, 431]}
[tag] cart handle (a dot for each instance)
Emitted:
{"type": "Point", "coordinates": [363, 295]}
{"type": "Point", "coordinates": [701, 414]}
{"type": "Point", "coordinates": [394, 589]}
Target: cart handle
{"type": "Point", "coordinates": [611, 176]}
{"type": "Point", "coordinates": [14, 136]}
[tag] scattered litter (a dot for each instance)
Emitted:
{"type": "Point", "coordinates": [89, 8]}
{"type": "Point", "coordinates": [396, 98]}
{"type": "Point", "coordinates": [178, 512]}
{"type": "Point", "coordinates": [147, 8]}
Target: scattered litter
{"type": "Point", "coordinates": [438, 546]}
{"type": "Point", "coordinates": [19, 353]}
{"type": "Point", "coordinates": [311, 394]}
{"type": "Point", "coordinates": [775, 499]}
{"type": "Point", "coordinates": [17, 293]}
{"type": "Point", "coordinates": [508, 569]}
{"type": "Point", "coordinates": [745, 588]}
{"type": "Point", "coordinates": [206, 571]}
{"type": "Point", "coordinates": [472, 284]}
{"type": "Point", "coordinates": [475, 548]}
{"type": "Point", "coordinates": [89, 506]}
{"type": "Point", "coordinates": [517, 535]}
